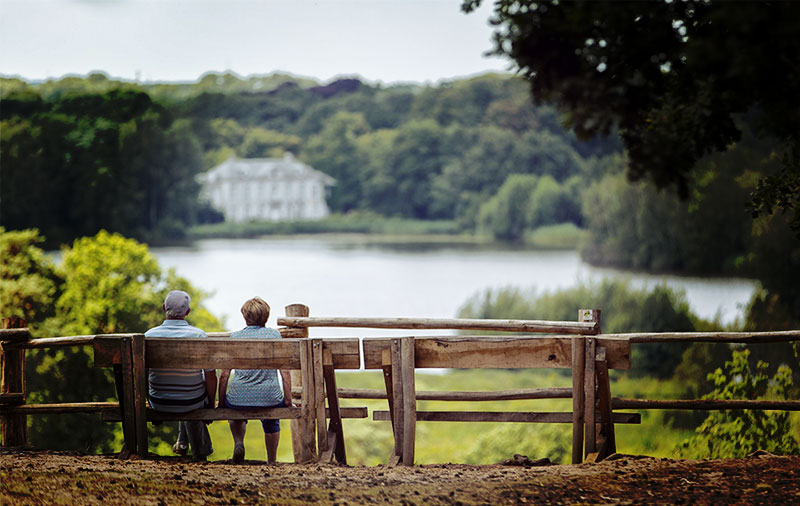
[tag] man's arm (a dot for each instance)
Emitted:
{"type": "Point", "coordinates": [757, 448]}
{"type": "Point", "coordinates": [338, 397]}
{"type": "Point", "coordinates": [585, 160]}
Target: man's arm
{"type": "Point", "coordinates": [211, 386]}
{"type": "Point", "coordinates": [224, 374]}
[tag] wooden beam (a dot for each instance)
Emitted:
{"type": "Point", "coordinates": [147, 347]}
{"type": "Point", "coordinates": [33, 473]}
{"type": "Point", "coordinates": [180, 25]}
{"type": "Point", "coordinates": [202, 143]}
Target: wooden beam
{"type": "Point", "coordinates": [608, 443]}
{"type": "Point", "coordinates": [474, 396]}
{"type": "Point", "coordinates": [72, 407]}
{"type": "Point", "coordinates": [589, 394]}
{"type": "Point", "coordinates": [209, 353]}
{"type": "Point", "coordinates": [110, 413]}
{"type": "Point", "coordinates": [319, 395]}
{"type": "Point", "coordinates": [11, 335]}
{"type": "Point", "coordinates": [409, 400]}
{"type": "Point", "coordinates": [556, 327]}
{"type": "Point", "coordinates": [127, 401]}
{"type": "Point", "coordinates": [297, 426]}
{"type": "Point", "coordinates": [335, 430]}
{"type": "Point", "coordinates": [495, 352]}
{"type": "Point", "coordinates": [140, 388]}
{"type": "Point", "coordinates": [12, 399]}
{"type": "Point", "coordinates": [578, 350]}
{"type": "Point", "coordinates": [307, 420]}
{"type": "Point", "coordinates": [704, 404]}
{"type": "Point", "coordinates": [50, 342]}
{"type": "Point", "coordinates": [14, 430]}
{"type": "Point", "coordinates": [711, 337]}
{"type": "Point", "coordinates": [503, 416]}
{"type": "Point", "coordinates": [397, 393]}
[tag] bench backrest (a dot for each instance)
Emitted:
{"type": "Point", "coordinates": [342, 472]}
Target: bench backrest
{"type": "Point", "coordinates": [223, 353]}
{"type": "Point", "coordinates": [493, 352]}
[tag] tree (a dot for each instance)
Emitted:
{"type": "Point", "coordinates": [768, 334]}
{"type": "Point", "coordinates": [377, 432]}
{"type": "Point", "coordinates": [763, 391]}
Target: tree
{"type": "Point", "coordinates": [103, 284]}
{"type": "Point", "coordinates": [672, 76]}
{"type": "Point", "coordinates": [505, 214]}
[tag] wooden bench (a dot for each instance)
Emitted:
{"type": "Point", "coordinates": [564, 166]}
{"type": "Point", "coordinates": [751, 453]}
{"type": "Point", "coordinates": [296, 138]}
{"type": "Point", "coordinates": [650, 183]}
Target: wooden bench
{"type": "Point", "coordinates": [316, 359]}
{"type": "Point", "coordinates": [399, 357]}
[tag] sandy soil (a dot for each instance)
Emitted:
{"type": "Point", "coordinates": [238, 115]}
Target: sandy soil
{"type": "Point", "coordinates": [38, 477]}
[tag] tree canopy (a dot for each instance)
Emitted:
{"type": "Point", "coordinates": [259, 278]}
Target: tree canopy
{"type": "Point", "coordinates": [673, 76]}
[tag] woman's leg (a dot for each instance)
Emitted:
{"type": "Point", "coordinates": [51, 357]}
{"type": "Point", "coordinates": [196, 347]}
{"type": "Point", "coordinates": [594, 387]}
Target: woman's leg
{"type": "Point", "coordinates": [272, 436]}
{"type": "Point", "coordinates": [238, 428]}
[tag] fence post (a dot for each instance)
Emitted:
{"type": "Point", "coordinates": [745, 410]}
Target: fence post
{"type": "Point", "coordinates": [590, 382]}
{"type": "Point", "coordinates": [578, 358]}
{"type": "Point", "coordinates": [302, 430]}
{"type": "Point", "coordinates": [12, 381]}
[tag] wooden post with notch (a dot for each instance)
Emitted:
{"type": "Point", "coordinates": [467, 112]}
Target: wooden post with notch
{"type": "Point", "coordinates": [12, 381]}
{"type": "Point", "coordinates": [590, 384]}
{"type": "Point", "coordinates": [578, 356]}
{"type": "Point", "coordinates": [409, 400]}
{"type": "Point", "coordinates": [299, 427]}
{"type": "Point", "coordinates": [319, 395]}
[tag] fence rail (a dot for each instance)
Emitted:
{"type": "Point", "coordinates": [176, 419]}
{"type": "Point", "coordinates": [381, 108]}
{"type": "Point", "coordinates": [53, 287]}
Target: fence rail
{"type": "Point", "coordinates": [587, 351]}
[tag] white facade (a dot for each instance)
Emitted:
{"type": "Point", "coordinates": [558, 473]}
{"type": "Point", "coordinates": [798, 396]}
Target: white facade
{"type": "Point", "coordinates": [267, 189]}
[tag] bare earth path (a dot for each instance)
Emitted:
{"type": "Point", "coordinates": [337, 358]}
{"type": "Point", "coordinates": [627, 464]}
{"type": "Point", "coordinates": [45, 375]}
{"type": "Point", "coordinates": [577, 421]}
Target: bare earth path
{"type": "Point", "coordinates": [38, 477]}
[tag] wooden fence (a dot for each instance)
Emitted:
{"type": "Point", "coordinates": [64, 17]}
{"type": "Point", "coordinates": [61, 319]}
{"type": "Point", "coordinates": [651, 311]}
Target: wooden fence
{"type": "Point", "coordinates": [579, 346]}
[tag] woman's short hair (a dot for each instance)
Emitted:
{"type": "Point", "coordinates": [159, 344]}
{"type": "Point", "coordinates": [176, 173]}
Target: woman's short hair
{"type": "Point", "coordinates": [255, 311]}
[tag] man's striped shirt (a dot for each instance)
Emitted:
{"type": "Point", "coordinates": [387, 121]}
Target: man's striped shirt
{"type": "Point", "coordinates": [177, 390]}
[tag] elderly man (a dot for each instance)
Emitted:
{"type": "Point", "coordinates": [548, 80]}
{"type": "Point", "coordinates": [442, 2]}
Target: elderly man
{"type": "Point", "coordinates": [182, 390]}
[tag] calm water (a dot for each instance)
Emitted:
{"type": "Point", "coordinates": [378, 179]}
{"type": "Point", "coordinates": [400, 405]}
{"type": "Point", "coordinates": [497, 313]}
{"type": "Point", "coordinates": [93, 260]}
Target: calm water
{"type": "Point", "coordinates": [351, 276]}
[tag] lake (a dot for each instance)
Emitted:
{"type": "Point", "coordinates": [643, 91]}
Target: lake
{"type": "Point", "coordinates": [367, 277]}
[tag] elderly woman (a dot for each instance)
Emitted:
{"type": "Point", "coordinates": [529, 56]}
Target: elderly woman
{"type": "Point", "coordinates": [255, 388]}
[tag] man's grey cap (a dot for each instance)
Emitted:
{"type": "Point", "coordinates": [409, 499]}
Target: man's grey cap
{"type": "Point", "coordinates": [177, 302]}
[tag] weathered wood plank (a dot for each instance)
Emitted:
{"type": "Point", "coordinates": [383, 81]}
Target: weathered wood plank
{"type": "Point", "coordinates": [556, 327]}
{"type": "Point", "coordinates": [397, 392]}
{"type": "Point", "coordinates": [590, 396]}
{"type": "Point", "coordinates": [335, 430]}
{"type": "Point", "coordinates": [494, 352]}
{"type": "Point", "coordinates": [13, 428]}
{"type": "Point", "coordinates": [703, 404]}
{"type": "Point", "coordinates": [444, 395]}
{"type": "Point", "coordinates": [50, 342]}
{"type": "Point", "coordinates": [409, 400]}
{"type": "Point", "coordinates": [110, 413]}
{"type": "Point", "coordinates": [10, 336]}
{"type": "Point", "coordinates": [127, 401]}
{"type": "Point", "coordinates": [710, 337]}
{"type": "Point", "coordinates": [307, 420]}
{"type": "Point", "coordinates": [51, 409]}
{"type": "Point", "coordinates": [140, 387]}
{"type": "Point", "coordinates": [605, 436]}
{"type": "Point", "coordinates": [222, 353]}
{"type": "Point", "coordinates": [345, 352]}
{"type": "Point", "coordinates": [12, 398]}
{"type": "Point", "coordinates": [502, 416]}
{"type": "Point", "coordinates": [319, 395]}
{"type": "Point", "coordinates": [296, 426]}
{"type": "Point", "coordinates": [578, 350]}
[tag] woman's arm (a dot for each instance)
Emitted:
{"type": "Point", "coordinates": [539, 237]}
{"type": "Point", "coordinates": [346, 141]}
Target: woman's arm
{"type": "Point", "coordinates": [287, 388]}
{"type": "Point", "coordinates": [223, 386]}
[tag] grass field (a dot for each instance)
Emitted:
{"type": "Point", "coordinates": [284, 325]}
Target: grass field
{"type": "Point", "coordinates": [370, 442]}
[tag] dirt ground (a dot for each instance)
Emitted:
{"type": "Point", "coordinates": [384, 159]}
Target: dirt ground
{"type": "Point", "coordinates": [38, 477]}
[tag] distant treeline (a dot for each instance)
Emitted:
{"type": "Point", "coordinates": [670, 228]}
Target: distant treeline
{"type": "Point", "coordinates": [83, 154]}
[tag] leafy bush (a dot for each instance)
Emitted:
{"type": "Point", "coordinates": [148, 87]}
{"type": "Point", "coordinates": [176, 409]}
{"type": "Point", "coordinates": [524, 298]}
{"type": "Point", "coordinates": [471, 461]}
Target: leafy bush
{"type": "Point", "coordinates": [736, 433]}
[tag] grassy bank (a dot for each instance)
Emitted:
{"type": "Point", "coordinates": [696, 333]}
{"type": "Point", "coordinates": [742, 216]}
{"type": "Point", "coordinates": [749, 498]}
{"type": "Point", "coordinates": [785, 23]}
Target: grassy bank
{"type": "Point", "coordinates": [563, 236]}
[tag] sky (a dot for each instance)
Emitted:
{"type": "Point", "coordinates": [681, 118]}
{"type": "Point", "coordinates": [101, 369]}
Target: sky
{"type": "Point", "coordinates": [380, 41]}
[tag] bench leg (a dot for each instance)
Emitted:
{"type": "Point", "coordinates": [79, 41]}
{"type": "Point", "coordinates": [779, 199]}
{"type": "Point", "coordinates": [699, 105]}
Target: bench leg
{"type": "Point", "coordinates": [409, 400]}
{"type": "Point", "coordinates": [605, 437]}
{"type": "Point", "coordinates": [335, 430]}
{"type": "Point", "coordinates": [127, 401]}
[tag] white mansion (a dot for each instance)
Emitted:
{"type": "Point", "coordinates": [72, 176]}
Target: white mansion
{"type": "Point", "coordinates": [267, 189]}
